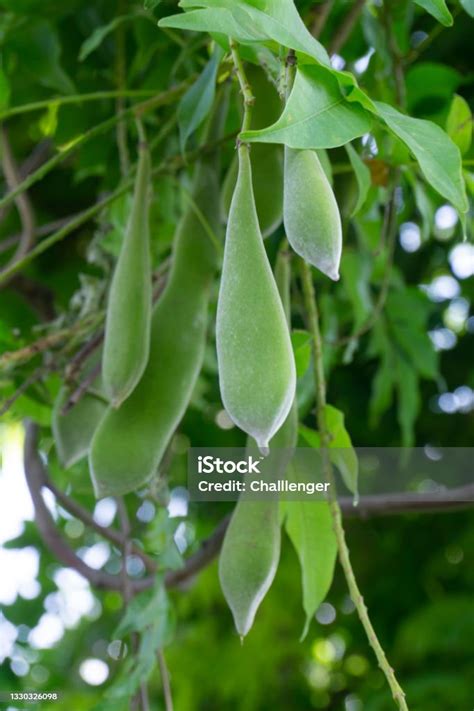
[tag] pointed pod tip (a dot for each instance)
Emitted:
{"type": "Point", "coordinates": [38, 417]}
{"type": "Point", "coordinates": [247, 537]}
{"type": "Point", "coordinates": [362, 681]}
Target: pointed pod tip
{"type": "Point", "coordinates": [264, 448]}
{"type": "Point", "coordinates": [334, 275]}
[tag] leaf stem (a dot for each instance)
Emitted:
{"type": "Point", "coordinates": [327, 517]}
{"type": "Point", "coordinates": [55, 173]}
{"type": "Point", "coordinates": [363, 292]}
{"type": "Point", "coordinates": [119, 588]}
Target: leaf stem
{"type": "Point", "coordinates": [356, 596]}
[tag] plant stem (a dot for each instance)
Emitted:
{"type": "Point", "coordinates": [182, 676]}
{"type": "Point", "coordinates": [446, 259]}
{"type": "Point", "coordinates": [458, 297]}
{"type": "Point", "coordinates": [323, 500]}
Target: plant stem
{"type": "Point", "coordinates": [165, 97]}
{"type": "Point", "coordinates": [74, 99]}
{"type": "Point", "coordinates": [121, 79]}
{"type": "Point", "coordinates": [167, 166]}
{"type": "Point", "coordinates": [165, 680]}
{"type": "Point", "coordinates": [245, 87]}
{"type": "Point", "coordinates": [356, 596]}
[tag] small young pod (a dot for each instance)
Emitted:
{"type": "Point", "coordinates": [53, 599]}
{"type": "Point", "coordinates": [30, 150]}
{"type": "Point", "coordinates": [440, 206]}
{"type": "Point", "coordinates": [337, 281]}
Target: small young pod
{"type": "Point", "coordinates": [127, 326]}
{"type": "Point", "coordinates": [255, 358]}
{"type": "Point", "coordinates": [310, 212]}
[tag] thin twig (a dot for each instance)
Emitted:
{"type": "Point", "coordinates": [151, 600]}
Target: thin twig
{"type": "Point", "coordinates": [165, 679]}
{"type": "Point", "coordinates": [320, 16]}
{"type": "Point", "coordinates": [110, 534]}
{"type": "Point", "coordinates": [75, 364]}
{"type": "Point", "coordinates": [395, 55]}
{"type": "Point", "coordinates": [429, 39]}
{"type": "Point", "coordinates": [343, 32]}
{"type": "Point", "coordinates": [22, 201]}
{"type": "Point", "coordinates": [166, 97]}
{"type": "Point", "coordinates": [388, 235]}
{"type": "Point", "coordinates": [245, 87]}
{"type": "Point", "coordinates": [121, 80]}
{"type": "Point", "coordinates": [167, 166]}
{"type": "Point", "coordinates": [35, 377]}
{"type": "Point", "coordinates": [34, 475]}
{"type": "Point", "coordinates": [356, 596]}
{"type": "Point", "coordinates": [140, 699]}
{"type": "Point", "coordinates": [74, 99]}
{"type": "Point", "coordinates": [82, 388]}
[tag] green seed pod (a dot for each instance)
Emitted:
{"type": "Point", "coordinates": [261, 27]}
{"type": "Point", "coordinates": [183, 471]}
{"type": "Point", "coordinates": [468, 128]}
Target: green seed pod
{"type": "Point", "coordinates": [127, 327]}
{"type": "Point", "coordinates": [267, 158]}
{"type": "Point", "coordinates": [130, 442]}
{"type": "Point", "coordinates": [310, 212]}
{"type": "Point", "coordinates": [256, 365]}
{"type": "Point", "coordinates": [249, 559]}
{"type": "Point", "coordinates": [251, 548]}
{"type": "Point", "coordinates": [73, 431]}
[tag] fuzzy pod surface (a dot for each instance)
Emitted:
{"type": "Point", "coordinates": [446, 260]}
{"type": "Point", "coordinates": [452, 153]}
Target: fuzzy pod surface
{"type": "Point", "coordinates": [310, 212]}
{"type": "Point", "coordinates": [130, 441]}
{"type": "Point", "coordinates": [128, 319]}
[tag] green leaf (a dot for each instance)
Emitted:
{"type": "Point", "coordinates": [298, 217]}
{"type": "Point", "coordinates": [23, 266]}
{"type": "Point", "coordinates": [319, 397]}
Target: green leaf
{"type": "Point", "coordinates": [459, 123]}
{"type": "Point", "coordinates": [39, 51]}
{"type": "Point", "coordinates": [343, 455]}
{"type": "Point", "coordinates": [196, 103]}
{"type": "Point", "coordinates": [301, 342]}
{"type": "Point", "coordinates": [143, 610]}
{"type": "Point", "coordinates": [276, 20]}
{"type": "Point", "coordinates": [100, 33]}
{"type": "Point", "coordinates": [408, 400]}
{"type": "Point", "coordinates": [425, 207]}
{"type": "Point", "coordinates": [438, 157]}
{"type": "Point", "coordinates": [213, 20]}
{"type": "Point", "coordinates": [468, 5]}
{"type": "Point", "coordinates": [356, 268]}
{"type": "Point", "coordinates": [309, 527]}
{"type": "Point", "coordinates": [382, 387]}
{"type": "Point", "coordinates": [316, 115]}
{"type": "Point", "coordinates": [438, 9]}
{"type": "Point", "coordinates": [362, 174]}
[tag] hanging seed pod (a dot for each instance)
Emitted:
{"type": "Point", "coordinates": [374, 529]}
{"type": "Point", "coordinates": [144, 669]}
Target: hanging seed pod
{"type": "Point", "coordinates": [130, 442]}
{"type": "Point", "coordinates": [256, 365]}
{"type": "Point", "coordinates": [127, 326]}
{"type": "Point", "coordinates": [310, 212]}
{"type": "Point", "coordinates": [251, 548]}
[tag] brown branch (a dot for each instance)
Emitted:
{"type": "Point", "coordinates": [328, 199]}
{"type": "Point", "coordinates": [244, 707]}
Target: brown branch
{"type": "Point", "coordinates": [40, 231]}
{"type": "Point", "coordinates": [344, 30]}
{"type": "Point", "coordinates": [407, 502]}
{"type": "Point", "coordinates": [22, 201]}
{"type": "Point", "coordinates": [75, 364]}
{"type": "Point", "coordinates": [37, 477]}
{"type": "Point", "coordinates": [209, 549]}
{"type": "Point", "coordinates": [79, 512]}
{"type": "Point", "coordinates": [35, 480]}
{"type": "Point", "coordinates": [82, 388]}
{"type": "Point", "coordinates": [35, 377]}
{"type": "Point", "coordinates": [27, 352]}
{"type": "Point", "coordinates": [320, 16]}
